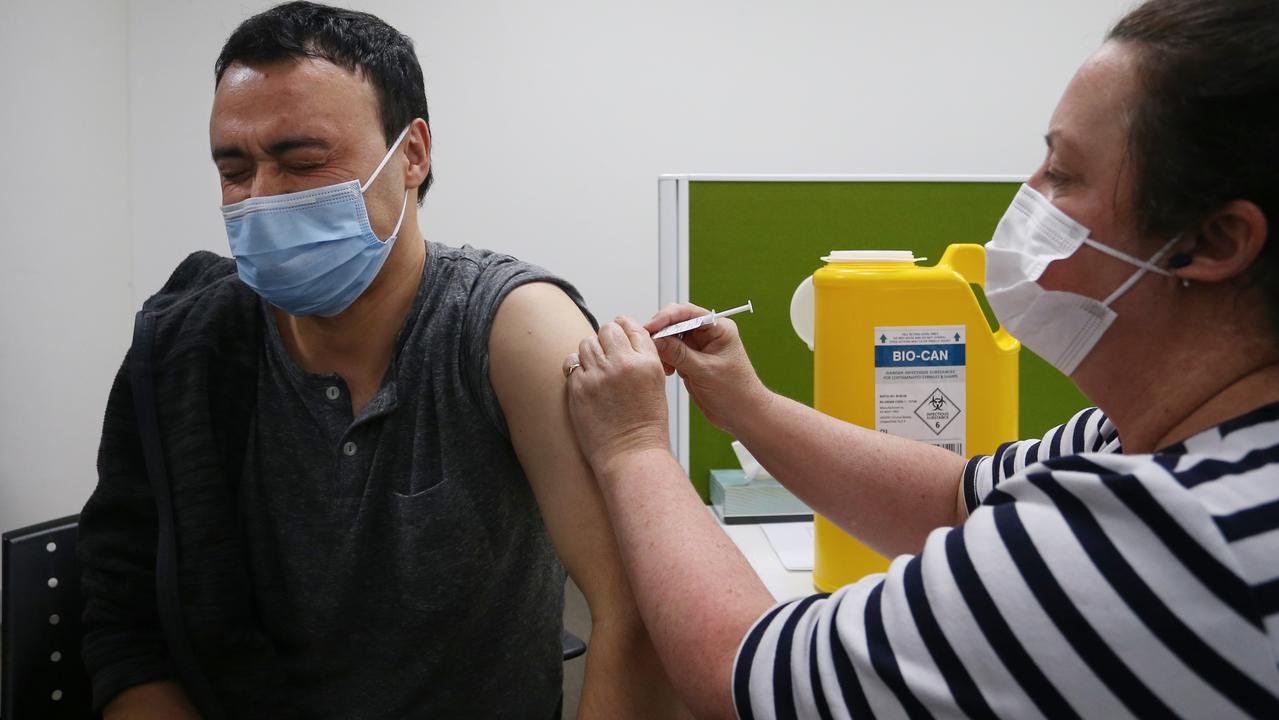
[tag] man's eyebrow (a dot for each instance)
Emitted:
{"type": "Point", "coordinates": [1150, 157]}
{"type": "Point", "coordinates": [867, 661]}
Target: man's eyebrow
{"type": "Point", "coordinates": [227, 152]}
{"type": "Point", "coordinates": [279, 147]}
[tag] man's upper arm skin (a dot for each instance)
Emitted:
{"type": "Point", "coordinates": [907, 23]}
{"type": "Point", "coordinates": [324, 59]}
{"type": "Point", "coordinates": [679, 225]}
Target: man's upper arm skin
{"type": "Point", "coordinates": [536, 326]}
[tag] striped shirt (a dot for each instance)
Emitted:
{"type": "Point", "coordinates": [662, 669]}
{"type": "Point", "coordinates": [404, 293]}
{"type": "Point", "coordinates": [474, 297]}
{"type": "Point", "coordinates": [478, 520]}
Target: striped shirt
{"type": "Point", "coordinates": [1085, 583]}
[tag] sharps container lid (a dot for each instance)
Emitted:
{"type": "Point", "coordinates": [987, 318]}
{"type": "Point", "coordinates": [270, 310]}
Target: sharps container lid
{"type": "Point", "coordinates": [876, 256]}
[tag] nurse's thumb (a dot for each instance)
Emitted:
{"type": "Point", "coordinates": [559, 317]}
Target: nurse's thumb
{"type": "Point", "coordinates": [676, 353]}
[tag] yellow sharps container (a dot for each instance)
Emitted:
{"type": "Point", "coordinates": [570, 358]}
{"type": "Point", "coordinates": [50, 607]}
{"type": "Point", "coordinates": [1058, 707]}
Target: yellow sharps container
{"type": "Point", "coordinates": [906, 350]}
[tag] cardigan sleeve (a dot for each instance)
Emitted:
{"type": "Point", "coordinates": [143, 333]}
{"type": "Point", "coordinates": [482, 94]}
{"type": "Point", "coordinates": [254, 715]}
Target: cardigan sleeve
{"type": "Point", "coordinates": [123, 644]}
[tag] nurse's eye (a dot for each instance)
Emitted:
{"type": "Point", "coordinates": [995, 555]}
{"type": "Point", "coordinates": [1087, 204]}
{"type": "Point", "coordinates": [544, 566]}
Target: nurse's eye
{"type": "Point", "coordinates": [1056, 178]}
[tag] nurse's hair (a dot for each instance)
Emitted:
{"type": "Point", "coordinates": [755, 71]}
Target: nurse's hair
{"type": "Point", "coordinates": [1206, 130]}
{"type": "Point", "coordinates": [356, 41]}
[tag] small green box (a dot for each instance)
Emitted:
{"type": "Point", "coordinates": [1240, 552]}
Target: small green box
{"type": "Point", "coordinates": [738, 500]}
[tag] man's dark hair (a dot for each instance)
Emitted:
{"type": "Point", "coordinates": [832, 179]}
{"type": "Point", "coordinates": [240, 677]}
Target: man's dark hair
{"type": "Point", "coordinates": [359, 42]}
{"type": "Point", "coordinates": [1206, 129]}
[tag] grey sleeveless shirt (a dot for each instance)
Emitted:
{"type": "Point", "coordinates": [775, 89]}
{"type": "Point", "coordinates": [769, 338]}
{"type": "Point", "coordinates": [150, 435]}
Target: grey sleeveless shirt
{"type": "Point", "coordinates": [398, 558]}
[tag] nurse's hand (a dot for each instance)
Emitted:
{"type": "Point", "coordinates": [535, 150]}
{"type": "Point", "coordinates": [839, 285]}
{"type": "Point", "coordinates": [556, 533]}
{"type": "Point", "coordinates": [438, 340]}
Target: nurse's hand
{"type": "Point", "coordinates": [713, 364]}
{"type": "Point", "coordinates": [617, 394]}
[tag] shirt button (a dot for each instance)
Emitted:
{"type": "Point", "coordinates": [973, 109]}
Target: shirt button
{"type": "Point", "coordinates": [349, 449]}
{"type": "Point", "coordinates": [332, 392]}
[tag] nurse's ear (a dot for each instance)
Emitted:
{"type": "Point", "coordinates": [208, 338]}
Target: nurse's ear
{"type": "Point", "coordinates": [1225, 246]}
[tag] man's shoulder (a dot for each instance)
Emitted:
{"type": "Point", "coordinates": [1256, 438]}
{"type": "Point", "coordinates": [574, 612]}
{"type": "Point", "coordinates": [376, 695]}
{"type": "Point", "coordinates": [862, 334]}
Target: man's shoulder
{"type": "Point", "coordinates": [194, 276]}
{"type": "Point", "coordinates": [203, 294]}
{"type": "Point", "coordinates": [478, 281]}
{"type": "Point", "coordinates": [468, 266]}
{"type": "Point", "coordinates": [468, 254]}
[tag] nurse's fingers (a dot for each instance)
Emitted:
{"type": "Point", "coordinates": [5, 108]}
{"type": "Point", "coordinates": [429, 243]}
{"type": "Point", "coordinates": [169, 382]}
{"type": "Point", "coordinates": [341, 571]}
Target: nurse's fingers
{"type": "Point", "coordinates": [571, 363]}
{"type": "Point", "coordinates": [673, 313]}
{"type": "Point", "coordinates": [639, 338]}
{"type": "Point", "coordinates": [613, 340]}
{"type": "Point", "coordinates": [590, 354]}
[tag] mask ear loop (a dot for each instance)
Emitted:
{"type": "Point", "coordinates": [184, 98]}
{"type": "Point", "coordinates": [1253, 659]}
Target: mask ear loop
{"type": "Point", "coordinates": [377, 171]}
{"type": "Point", "coordinates": [1143, 266]}
{"type": "Point", "coordinates": [385, 159]}
{"type": "Point", "coordinates": [403, 209]}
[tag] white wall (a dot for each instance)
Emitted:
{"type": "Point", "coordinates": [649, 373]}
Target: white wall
{"type": "Point", "coordinates": [65, 291]}
{"type": "Point", "coordinates": [552, 120]}
{"type": "Point", "coordinates": [551, 123]}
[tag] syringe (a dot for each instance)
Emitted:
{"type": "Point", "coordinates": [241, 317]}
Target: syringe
{"type": "Point", "coordinates": [693, 324]}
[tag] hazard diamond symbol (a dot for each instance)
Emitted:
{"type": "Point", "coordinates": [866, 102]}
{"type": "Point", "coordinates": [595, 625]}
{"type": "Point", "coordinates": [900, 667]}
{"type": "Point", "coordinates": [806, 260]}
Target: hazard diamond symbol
{"type": "Point", "coordinates": [937, 411]}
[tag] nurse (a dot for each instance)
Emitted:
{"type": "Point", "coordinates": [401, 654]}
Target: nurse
{"type": "Point", "coordinates": [1125, 564]}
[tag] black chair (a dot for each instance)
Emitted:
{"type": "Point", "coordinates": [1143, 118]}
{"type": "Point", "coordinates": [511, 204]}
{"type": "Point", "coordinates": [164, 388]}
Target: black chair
{"type": "Point", "coordinates": [574, 646]}
{"type": "Point", "coordinates": [43, 675]}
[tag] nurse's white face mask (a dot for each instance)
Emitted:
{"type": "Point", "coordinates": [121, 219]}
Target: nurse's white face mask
{"type": "Point", "coordinates": [1061, 327]}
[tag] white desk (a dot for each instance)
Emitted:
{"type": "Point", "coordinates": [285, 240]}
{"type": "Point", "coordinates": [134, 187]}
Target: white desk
{"type": "Point", "coordinates": [782, 583]}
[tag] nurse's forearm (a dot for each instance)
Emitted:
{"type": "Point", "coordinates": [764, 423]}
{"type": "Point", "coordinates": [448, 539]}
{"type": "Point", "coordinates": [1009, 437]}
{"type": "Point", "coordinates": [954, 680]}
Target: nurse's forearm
{"type": "Point", "coordinates": [887, 491]}
{"type": "Point", "coordinates": [697, 594]}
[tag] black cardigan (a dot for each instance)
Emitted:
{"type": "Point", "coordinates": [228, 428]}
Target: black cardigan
{"type": "Point", "coordinates": [164, 577]}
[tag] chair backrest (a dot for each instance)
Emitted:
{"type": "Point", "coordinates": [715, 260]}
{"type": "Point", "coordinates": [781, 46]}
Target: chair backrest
{"type": "Point", "coordinates": [43, 676]}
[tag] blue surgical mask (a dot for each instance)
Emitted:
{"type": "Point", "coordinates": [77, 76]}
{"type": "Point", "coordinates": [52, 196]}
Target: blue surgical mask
{"type": "Point", "coordinates": [311, 252]}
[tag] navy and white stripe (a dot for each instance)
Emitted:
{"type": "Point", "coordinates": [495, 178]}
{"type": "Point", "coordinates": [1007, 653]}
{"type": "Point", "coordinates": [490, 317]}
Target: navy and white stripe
{"type": "Point", "coordinates": [1085, 583]}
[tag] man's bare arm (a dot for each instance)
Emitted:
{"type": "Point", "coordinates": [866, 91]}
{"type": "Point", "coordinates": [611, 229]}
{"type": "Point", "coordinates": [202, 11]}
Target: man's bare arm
{"type": "Point", "coordinates": [164, 700]}
{"type": "Point", "coordinates": [536, 326]}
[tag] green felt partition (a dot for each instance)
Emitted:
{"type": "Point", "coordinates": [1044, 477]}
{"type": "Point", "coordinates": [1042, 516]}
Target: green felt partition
{"type": "Point", "coordinates": [758, 239]}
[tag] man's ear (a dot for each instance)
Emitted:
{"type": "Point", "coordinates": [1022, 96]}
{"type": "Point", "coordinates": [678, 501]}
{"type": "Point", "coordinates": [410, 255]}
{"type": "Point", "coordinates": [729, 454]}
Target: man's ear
{"type": "Point", "coordinates": [1227, 244]}
{"type": "Point", "coordinates": [417, 152]}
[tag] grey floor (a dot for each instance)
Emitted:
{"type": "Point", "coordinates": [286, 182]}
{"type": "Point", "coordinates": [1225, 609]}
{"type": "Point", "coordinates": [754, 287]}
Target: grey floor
{"type": "Point", "coordinates": [577, 620]}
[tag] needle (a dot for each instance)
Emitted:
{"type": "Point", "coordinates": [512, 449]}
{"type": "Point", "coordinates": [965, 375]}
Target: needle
{"type": "Point", "coordinates": [694, 323]}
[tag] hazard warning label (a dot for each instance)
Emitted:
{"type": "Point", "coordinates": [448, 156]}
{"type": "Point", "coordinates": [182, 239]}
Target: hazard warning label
{"type": "Point", "coordinates": [920, 384]}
